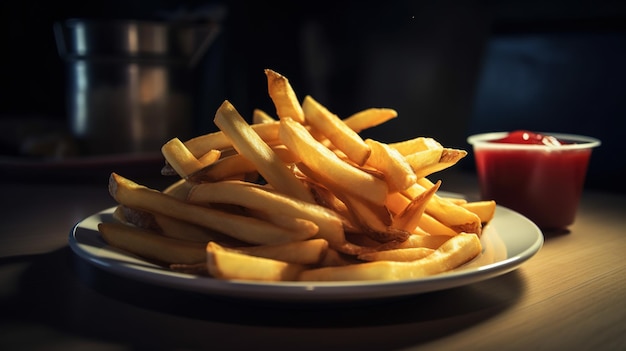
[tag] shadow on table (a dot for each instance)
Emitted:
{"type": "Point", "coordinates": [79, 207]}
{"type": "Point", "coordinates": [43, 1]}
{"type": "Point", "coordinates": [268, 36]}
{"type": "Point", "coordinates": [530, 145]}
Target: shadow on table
{"type": "Point", "coordinates": [81, 300]}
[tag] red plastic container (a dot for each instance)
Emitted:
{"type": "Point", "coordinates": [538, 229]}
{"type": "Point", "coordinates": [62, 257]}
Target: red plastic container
{"type": "Point", "coordinates": [542, 181]}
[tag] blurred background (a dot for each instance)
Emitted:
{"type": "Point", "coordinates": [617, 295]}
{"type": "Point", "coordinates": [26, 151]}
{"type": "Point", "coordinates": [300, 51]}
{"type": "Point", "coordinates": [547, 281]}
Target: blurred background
{"type": "Point", "coordinates": [450, 68]}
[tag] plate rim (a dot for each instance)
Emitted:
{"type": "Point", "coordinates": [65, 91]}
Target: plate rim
{"type": "Point", "coordinates": [307, 291]}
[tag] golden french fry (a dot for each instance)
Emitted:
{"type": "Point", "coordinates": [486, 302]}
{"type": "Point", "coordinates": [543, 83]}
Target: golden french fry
{"type": "Point", "coordinates": [410, 217]}
{"type": "Point", "coordinates": [485, 209]}
{"type": "Point", "coordinates": [448, 158]}
{"type": "Point", "coordinates": [284, 97]}
{"type": "Point", "coordinates": [369, 118]}
{"type": "Point", "coordinates": [151, 245]}
{"type": "Point", "coordinates": [397, 171]}
{"type": "Point", "coordinates": [135, 217]}
{"type": "Point", "coordinates": [246, 229]}
{"type": "Point", "coordinates": [291, 223]}
{"type": "Point", "coordinates": [335, 258]}
{"type": "Point", "coordinates": [410, 146]}
{"type": "Point", "coordinates": [423, 159]}
{"type": "Point", "coordinates": [450, 214]}
{"type": "Point", "coordinates": [398, 255]}
{"type": "Point", "coordinates": [451, 156]}
{"type": "Point", "coordinates": [397, 202]}
{"type": "Point", "coordinates": [202, 144]}
{"type": "Point", "coordinates": [248, 143]}
{"type": "Point", "coordinates": [433, 226]}
{"type": "Point", "coordinates": [373, 220]}
{"type": "Point", "coordinates": [179, 157]}
{"type": "Point", "coordinates": [358, 236]}
{"type": "Point", "coordinates": [455, 252]}
{"type": "Point", "coordinates": [328, 165]}
{"type": "Point", "coordinates": [119, 215]}
{"type": "Point", "coordinates": [309, 252]}
{"type": "Point", "coordinates": [182, 230]}
{"type": "Point", "coordinates": [416, 241]}
{"type": "Point", "coordinates": [178, 189]}
{"type": "Point", "coordinates": [224, 264]}
{"type": "Point", "coordinates": [210, 157]}
{"type": "Point", "coordinates": [323, 196]}
{"type": "Point", "coordinates": [260, 198]}
{"type": "Point", "coordinates": [260, 116]}
{"type": "Point", "coordinates": [455, 200]}
{"type": "Point", "coordinates": [333, 128]}
{"type": "Point", "coordinates": [226, 168]}
{"type": "Point", "coordinates": [183, 161]}
{"type": "Point", "coordinates": [233, 166]}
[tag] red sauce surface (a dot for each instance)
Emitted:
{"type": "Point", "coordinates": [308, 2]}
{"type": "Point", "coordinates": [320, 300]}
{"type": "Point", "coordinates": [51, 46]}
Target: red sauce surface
{"type": "Point", "coordinates": [544, 185]}
{"type": "Point", "coordinates": [529, 138]}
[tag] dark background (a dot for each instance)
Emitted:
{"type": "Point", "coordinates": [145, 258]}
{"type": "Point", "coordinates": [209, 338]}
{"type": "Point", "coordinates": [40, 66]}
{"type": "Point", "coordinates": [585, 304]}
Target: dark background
{"type": "Point", "coordinates": [450, 68]}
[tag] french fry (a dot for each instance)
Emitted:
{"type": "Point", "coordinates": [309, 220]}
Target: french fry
{"type": "Point", "coordinates": [135, 217]}
{"type": "Point", "coordinates": [485, 209]}
{"type": "Point", "coordinates": [306, 252]}
{"type": "Point", "coordinates": [202, 144]}
{"type": "Point", "coordinates": [309, 252]}
{"type": "Point", "coordinates": [246, 229]}
{"type": "Point", "coordinates": [424, 240]}
{"type": "Point", "coordinates": [178, 189]}
{"type": "Point", "coordinates": [410, 217]}
{"type": "Point", "coordinates": [453, 253]}
{"type": "Point", "coordinates": [448, 158]}
{"type": "Point", "coordinates": [248, 143]}
{"type": "Point", "coordinates": [410, 146]}
{"type": "Point", "coordinates": [455, 200]}
{"type": "Point", "coordinates": [284, 97]}
{"type": "Point", "coordinates": [151, 245]}
{"type": "Point", "coordinates": [369, 118]}
{"type": "Point", "coordinates": [183, 161]}
{"type": "Point", "coordinates": [233, 166]}
{"type": "Point", "coordinates": [397, 202]}
{"type": "Point", "coordinates": [397, 171]}
{"type": "Point", "coordinates": [422, 160]}
{"type": "Point", "coordinates": [210, 157]}
{"type": "Point", "coordinates": [290, 223]}
{"type": "Point", "coordinates": [260, 116]}
{"type": "Point", "coordinates": [333, 128]}
{"type": "Point", "coordinates": [371, 219]}
{"type": "Point", "coordinates": [183, 230]}
{"type": "Point", "coordinates": [326, 163]}
{"type": "Point", "coordinates": [433, 226]}
{"type": "Point", "coordinates": [334, 258]}
{"type": "Point", "coordinates": [398, 255]}
{"type": "Point", "coordinates": [260, 198]}
{"type": "Point", "coordinates": [446, 212]}
{"type": "Point", "coordinates": [374, 220]}
{"type": "Point", "coordinates": [224, 264]}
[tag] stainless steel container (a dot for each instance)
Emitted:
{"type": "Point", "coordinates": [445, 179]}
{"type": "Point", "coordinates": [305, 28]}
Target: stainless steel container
{"type": "Point", "coordinates": [129, 82]}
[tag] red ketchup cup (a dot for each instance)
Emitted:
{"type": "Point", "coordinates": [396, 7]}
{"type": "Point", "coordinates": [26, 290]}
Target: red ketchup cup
{"type": "Point", "coordinates": [540, 175]}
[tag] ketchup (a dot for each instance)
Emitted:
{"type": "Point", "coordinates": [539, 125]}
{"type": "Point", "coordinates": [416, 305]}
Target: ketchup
{"type": "Point", "coordinates": [542, 183]}
{"type": "Point", "coordinates": [529, 138]}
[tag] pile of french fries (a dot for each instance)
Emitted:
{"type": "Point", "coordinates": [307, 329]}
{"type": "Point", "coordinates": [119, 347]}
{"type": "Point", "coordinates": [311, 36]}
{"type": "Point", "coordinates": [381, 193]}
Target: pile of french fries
{"type": "Point", "coordinates": [298, 196]}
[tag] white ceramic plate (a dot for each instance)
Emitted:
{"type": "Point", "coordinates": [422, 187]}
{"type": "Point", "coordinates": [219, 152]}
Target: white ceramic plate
{"type": "Point", "coordinates": [508, 241]}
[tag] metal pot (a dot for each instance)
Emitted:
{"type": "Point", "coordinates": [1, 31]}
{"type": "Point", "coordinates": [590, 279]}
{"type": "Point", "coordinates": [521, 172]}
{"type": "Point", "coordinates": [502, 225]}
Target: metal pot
{"type": "Point", "coordinates": [129, 82]}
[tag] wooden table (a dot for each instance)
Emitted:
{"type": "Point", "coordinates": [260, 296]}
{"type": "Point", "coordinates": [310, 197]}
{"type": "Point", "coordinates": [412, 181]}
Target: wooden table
{"type": "Point", "coordinates": [571, 295]}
